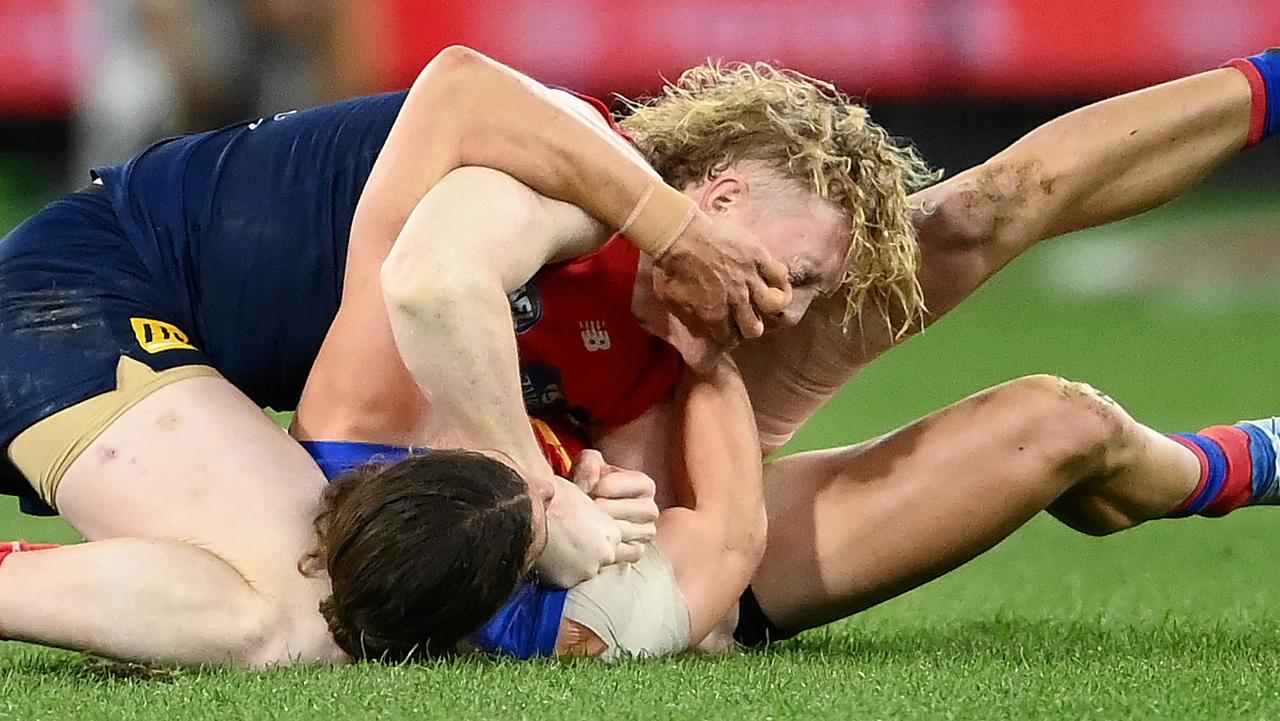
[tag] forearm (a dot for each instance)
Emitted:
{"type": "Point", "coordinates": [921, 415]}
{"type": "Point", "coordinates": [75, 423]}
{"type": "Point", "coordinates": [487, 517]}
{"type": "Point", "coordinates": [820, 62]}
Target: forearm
{"type": "Point", "coordinates": [1104, 162]}
{"type": "Point", "coordinates": [456, 340]}
{"type": "Point", "coordinates": [475, 236]}
{"type": "Point", "coordinates": [1101, 163]}
{"type": "Point", "coordinates": [715, 538]}
{"type": "Point", "coordinates": [476, 111]}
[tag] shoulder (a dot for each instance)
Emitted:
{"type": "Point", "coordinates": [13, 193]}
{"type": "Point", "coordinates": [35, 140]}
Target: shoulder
{"type": "Point", "coordinates": [592, 109]}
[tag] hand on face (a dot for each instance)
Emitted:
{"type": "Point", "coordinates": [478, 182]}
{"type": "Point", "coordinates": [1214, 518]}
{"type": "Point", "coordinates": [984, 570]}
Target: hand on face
{"type": "Point", "coordinates": [719, 280]}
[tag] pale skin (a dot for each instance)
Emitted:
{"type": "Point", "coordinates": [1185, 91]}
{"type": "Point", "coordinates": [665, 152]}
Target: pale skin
{"type": "Point", "coordinates": [242, 600]}
{"type": "Point", "coordinates": [393, 273]}
{"type": "Point", "coordinates": [809, 566]}
{"type": "Point", "coordinates": [929, 497]}
{"type": "Point", "coordinates": [1185, 129]}
{"type": "Point", "coordinates": [955, 483]}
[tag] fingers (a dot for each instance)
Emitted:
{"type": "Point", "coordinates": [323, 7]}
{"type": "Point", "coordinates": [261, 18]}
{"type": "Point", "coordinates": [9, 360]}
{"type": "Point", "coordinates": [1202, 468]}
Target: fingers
{"type": "Point", "coordinates": [638, 532]}
{"type": "Point", "coordinates": [630, 510]}
{"type": "Point", "coordinates": [750, 326]}
{"type": "Point", "coordinates": [769, 300]}
{"type": "Point", "coordinates": [625, 484]}
{"type": "Point", "coordinates": [587, 470]}
{"type": "Point", "coordinates": [700, 305]}
{"type": "Point", "coordinates": [776, 274]}
{"type": "Point", "coordinates": [629, 552]}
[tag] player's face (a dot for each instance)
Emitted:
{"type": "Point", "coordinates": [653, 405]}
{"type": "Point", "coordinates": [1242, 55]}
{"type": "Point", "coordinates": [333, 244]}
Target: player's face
{"type": "Point", "coordinates": [810, 236]}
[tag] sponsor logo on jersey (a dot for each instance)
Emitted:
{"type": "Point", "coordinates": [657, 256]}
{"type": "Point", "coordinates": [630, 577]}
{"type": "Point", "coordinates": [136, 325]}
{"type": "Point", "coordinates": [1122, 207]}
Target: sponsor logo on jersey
{"type": "Point", "coordinates": [277, 117]}
{"type": "Point", "coordinates": [595, 336]}
{"type": "Point", "coordinates": [156, 336]}
{"type": "Point", "coordinates": [526, 306]}
{"type": "Point", "coordinates": [542, 388]}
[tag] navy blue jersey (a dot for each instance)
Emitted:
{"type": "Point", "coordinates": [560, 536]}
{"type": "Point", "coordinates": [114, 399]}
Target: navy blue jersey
{"type": "Point", "coordinates": [245, 232]}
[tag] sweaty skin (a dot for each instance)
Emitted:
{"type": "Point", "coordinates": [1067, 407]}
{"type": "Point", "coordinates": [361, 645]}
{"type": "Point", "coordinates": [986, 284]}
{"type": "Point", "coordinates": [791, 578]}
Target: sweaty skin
{"type": "Point", "coordinates": [1054, 180]}
{"type": "Point", "coordinates": [1104, 161]}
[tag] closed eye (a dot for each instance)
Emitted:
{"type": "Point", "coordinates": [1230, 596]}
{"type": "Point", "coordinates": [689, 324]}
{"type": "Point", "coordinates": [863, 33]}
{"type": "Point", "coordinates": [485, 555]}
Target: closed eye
{"type": "Point", "coordinates": [802, 279]}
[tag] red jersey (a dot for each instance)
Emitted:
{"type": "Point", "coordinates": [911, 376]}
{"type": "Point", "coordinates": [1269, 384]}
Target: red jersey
{"type": "Point", "coordinates": [582, 352]}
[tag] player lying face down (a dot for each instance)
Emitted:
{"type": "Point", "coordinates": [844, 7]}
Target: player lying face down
{"type": "Point", "coordinates": [955, 483]}
{"type": "Point", "coordinates": [147, 318]}
{"type": "Point", "coordinates": [684, 582]}
{"type": "Point", "coordinates": [588, 328]}
{"type": "Point", "coordinates": [967, 242]}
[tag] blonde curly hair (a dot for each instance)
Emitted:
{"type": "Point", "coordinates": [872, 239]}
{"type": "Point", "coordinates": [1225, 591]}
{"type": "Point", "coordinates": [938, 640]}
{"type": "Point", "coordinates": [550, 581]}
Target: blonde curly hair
{"type": "Point", "coordinates": [716, 115]}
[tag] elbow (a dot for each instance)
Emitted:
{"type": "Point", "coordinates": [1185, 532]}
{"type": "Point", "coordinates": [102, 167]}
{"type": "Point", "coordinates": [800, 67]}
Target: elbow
{"type": "Point", "coordinates": [451, 80]}
{"type": "Point", "coordinates": [451, 63]}
{"type": "Point", "coordinates": [995, 206]}
{"type": "Point", "coordinates": [413, 287]}
{"type": "Point", "coordinates": [406, 285]}
{"type": "Point", "coordinates": [960, 216]}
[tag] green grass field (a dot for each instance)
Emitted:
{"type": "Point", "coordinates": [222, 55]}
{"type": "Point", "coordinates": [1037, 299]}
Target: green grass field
{"type": "Point", "coordinates": [1176, 620]}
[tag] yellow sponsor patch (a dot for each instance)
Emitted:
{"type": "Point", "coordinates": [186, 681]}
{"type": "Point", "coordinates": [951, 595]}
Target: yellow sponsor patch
{"type": "Point", "coordinates": [156, 336]}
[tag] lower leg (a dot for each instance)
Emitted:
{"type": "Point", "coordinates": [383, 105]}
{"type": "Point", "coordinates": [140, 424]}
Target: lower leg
{"type": "Point", "coordinates": [160, 602]}
{"type": "Point", "coordinates": [1238, 467]}
{"type": "Point", "coordinates": [1209, 473]}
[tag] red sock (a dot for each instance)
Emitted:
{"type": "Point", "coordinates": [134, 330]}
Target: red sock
{"type": "Point", "coordinates": [11, 547]}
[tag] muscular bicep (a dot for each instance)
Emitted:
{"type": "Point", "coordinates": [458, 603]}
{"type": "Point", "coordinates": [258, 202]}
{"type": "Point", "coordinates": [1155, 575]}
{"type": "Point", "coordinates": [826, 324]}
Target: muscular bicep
{"type": "Point", "coordinates": [645, 445]}
{"type": "Point", "coordinates": [480, 224]}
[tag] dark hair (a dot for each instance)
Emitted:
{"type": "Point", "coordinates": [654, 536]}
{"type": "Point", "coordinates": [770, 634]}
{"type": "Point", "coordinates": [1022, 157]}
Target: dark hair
{"type": "Point", "coordinates": [422, 552]}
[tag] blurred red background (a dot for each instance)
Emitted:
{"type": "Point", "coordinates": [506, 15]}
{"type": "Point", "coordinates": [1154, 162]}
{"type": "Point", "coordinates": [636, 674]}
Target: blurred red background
{"type": "Point", "coordinates": [902, 49]}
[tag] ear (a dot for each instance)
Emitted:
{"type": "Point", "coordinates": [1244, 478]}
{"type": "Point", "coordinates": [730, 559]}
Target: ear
{"type": "Point", "coordinates": [722, 192]}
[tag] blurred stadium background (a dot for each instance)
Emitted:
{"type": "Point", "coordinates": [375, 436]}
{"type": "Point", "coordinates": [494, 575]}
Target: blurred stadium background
{"type": "Point", "coordinates": [1174, 314]}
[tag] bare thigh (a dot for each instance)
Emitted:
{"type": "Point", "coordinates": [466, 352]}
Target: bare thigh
{"type": "Point", "coordinates": [197, 462]}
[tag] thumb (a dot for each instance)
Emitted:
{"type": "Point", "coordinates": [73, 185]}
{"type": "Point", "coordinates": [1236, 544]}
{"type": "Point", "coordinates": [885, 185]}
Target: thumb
{"type": "Point", "coordinates": [587, 470]}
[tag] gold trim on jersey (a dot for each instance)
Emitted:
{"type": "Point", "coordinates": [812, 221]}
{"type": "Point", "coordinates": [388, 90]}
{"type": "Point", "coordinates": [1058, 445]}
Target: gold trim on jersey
{"type": "Point", "coordinates": [551, 443]}
{"type": "Point", "coordinates": [47, 449]}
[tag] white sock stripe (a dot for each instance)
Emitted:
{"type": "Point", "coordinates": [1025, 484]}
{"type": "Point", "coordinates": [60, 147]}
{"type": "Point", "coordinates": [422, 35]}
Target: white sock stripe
{"type": "Point", "coordinates": [1271, 426]}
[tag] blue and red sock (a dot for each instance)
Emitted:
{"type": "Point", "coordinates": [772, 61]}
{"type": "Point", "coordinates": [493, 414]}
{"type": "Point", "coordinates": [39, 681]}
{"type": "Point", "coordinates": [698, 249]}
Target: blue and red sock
{"type": "Point", "coordinates": [1237, 469]}
{"type": "Point", "coordinates": [1263, 72]}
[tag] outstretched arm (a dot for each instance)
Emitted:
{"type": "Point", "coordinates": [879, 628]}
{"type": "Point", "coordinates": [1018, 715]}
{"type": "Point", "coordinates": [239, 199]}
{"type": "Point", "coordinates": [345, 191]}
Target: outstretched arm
{"type": "Point", "coordinates": [1101, 163]}
{"type": "Point", "coordinates": [1107, 161]}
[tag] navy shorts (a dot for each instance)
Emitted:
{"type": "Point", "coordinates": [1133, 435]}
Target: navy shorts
{"type": "Point", "coordinates": [74, 298]}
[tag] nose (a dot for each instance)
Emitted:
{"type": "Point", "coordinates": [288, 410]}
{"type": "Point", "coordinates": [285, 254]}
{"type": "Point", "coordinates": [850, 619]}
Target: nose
{"type": "Point", "coordinates": [790, 315]}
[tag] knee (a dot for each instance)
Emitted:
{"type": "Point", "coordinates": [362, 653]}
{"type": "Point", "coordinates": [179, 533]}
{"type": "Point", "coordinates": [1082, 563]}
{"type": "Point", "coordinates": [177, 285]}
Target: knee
{"type": "Point", "coordinates": [1078, 431]}
{"type": "Point", "coordinates": [1088, 438]}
